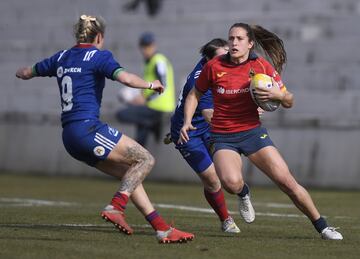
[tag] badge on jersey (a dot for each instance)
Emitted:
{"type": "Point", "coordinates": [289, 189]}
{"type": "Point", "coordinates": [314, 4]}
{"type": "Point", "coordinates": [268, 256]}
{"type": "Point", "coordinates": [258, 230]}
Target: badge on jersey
{"type": "Point", "coordinates": [99, 151]}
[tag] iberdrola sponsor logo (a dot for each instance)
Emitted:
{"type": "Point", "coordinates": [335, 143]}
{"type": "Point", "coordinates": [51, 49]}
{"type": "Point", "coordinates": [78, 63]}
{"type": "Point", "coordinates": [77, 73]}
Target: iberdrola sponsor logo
{"type": "Point", "coordinates": [220, 90]}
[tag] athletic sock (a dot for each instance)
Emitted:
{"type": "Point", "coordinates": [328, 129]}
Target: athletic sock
{"type": "Point", "coordinates": [156, 221]}
{"type": "Point", "coordinates": [245, 190]}
{"type": "Point", "coordinates": [119, 201]}
{"type": "Point", "coordinates": [217, 202]}
{"type": "Point", "coordinates": [320, 224]}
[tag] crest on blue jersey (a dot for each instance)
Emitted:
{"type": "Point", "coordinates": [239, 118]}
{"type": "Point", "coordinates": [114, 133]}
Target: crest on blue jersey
{"type": "Point", "coordinates": [60, 72]}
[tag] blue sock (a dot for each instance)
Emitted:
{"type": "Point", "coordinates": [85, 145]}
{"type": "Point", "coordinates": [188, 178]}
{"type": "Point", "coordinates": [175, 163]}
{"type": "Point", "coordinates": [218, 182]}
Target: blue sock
{"type": "Point", "coordinates": [320, 224]}
{"type": "Point", "coordinates": [245, 190]}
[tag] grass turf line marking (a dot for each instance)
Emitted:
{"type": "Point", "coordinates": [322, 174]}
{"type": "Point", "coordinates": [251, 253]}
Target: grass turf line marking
{"type": "Point", "coordinates": [70, 225]}
{"type": "Point", "coordinates": [20, 202]}
{"type": "Point", "coordinates": [269, 204]}
{"type": "Point", "coordinates": [197, 209]}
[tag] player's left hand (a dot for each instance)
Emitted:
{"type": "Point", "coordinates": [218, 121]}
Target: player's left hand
{"type": "Point", "coordinates": [267, 94]}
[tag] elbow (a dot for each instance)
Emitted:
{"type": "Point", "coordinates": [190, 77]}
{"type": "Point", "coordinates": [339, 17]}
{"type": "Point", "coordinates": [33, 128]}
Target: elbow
{"type": "Point", "coordinates": [288, 101]}
{"type": "Point", "coordinates": [287, 105]}
{"type": "Point", "coordinates": [207, 114]}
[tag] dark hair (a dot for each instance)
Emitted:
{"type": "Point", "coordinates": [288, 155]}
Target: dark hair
{"type": "Point", "coordinates": [266, 43]}
{"type": "Point", "coordinates": [146, 39]}
{"type": "Point", "coordinates": [209, 49]}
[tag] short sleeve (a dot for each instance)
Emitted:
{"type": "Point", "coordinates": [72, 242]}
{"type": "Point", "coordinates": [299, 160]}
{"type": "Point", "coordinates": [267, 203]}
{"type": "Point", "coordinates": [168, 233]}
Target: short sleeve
{"type": "Point", "coordinates": [106, 64]}
{"type": "Point", "coordinates": [203, 83]}
{"type": "Point", "coordinates": [206, 101]}
{"type": "Point", "coordinates": [47, 67]}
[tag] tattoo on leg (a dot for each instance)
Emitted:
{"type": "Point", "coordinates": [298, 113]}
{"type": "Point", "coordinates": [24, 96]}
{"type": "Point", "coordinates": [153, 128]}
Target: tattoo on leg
{"type": "Point", "coordinates": [141, 164]}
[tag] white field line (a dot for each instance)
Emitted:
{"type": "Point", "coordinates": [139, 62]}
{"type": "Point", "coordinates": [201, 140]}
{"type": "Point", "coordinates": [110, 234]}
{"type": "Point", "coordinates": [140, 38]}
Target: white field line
{"type": "Point", "coordinates": [71, 225]}
{"type": "Point", "coordinates": [20, 202]}
{"type": "Point", "coordinates": [196, 209]}
{"type": "Point", "coordinates": [274, 205]}
{"type": "Point", "coordinates": [268, 204]}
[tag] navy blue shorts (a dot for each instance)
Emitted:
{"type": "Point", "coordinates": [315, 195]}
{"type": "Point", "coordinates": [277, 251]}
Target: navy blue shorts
{"type": "Point", "coordinates": [196, 152]}
{"type": "Point", "coordinates": [89, 141]}
{"type": "Point", "coordinates": [245, 142]}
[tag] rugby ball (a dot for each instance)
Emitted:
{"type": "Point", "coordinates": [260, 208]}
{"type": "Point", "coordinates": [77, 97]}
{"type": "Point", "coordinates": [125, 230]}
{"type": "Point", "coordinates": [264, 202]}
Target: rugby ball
{"type": "Point", "coordinates": [263, 81]}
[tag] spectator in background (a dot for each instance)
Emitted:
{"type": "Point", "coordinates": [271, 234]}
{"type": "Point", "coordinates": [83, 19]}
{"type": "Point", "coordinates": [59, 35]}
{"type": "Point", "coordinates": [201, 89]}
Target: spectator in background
{"type": "Point", "coordinates": [147, 111]}
{"type": "Point", "coordinates": [153, 6]}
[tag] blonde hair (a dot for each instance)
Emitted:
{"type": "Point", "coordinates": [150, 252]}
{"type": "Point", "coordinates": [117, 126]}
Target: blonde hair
{"type": "Point", "coordinates": [87, 27]}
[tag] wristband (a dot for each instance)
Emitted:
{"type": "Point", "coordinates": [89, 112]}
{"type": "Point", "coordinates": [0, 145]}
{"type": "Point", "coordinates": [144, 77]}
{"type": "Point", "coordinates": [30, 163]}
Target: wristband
{"type": "Point", "coordinates": [151, 85]}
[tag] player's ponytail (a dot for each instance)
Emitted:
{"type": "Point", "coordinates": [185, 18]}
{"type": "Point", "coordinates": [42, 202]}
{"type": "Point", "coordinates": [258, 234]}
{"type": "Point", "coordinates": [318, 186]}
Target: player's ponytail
{"type": "Point", "coordinates": [266, 43]}
{"type": "Point", "coordinates": [271, 46]}
{"type": "Point", "coordinates": [87, 27]}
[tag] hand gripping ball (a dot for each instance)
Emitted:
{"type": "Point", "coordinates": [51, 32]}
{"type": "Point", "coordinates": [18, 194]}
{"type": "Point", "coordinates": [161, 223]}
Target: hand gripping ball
{"type": "Point", "coordinates": [263, 81]}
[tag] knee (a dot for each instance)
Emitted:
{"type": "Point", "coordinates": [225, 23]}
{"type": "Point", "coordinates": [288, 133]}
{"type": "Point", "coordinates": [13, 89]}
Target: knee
{"type": "Point", "coordinates": [144, 160]}
{"type": "Point", "coordinates": [233, 186]}
{"type": "Point", "coordinates": [149, 161]}
{"type": "Point", "coordinates": [212, 185]}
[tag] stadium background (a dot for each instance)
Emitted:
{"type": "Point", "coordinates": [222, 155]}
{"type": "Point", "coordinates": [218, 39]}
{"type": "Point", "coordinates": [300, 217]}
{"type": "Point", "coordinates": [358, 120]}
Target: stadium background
{"type": "Point", "coordinates": [319, 137]}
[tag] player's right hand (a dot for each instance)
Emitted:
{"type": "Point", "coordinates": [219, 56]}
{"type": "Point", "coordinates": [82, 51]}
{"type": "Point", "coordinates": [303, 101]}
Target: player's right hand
{"type": "Point", "coordinates": [24, 73]}
{"type": "Point", "coordinates": [184, 137]}
{"type": "Point", "coordinates": [158, 87]}
{"type": "Point", "coordinates": [260, 112]}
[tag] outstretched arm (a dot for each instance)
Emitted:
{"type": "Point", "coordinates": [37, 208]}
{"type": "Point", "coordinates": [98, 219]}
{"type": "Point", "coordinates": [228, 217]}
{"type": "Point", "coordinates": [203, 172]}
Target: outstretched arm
{"type": "Point", "coordinates": [135, 81]}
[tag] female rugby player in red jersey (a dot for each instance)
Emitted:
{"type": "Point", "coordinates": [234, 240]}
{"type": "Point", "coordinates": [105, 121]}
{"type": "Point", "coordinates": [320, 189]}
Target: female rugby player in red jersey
{"type": "Point", "coordinates": [81, 71]}
{"type": "Point", "coordinates": [236, 128]}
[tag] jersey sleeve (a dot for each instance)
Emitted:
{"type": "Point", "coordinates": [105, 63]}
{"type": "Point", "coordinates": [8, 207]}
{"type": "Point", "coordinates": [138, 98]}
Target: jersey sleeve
{"type": "Point", "coordinates": [206, 101]}
{"type": "Point", "coordinates": [202, 84]}
{"type": "Point", "coordinates": [107, 65]}
{"type": "Point", "coordinates": [274, 74]}
{"type": "Point", "coordinates": [47, 67]}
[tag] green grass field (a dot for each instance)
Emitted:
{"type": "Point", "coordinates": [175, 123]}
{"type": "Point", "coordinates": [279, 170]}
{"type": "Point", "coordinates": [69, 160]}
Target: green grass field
{"type": "Point", "coordinates": [58, 217]}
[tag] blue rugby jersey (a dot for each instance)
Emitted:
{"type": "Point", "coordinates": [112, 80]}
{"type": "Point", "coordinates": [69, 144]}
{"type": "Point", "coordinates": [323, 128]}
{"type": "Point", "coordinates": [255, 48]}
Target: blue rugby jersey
{"type": "Point", "coordinates": [198, 121]}
{"type": "Point", "coordinates": [80, 73]}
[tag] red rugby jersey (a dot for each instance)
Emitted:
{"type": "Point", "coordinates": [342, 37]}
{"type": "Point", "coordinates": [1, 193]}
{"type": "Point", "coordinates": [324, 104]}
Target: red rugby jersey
{"type": "Point", "coordinates": [234, 109]}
